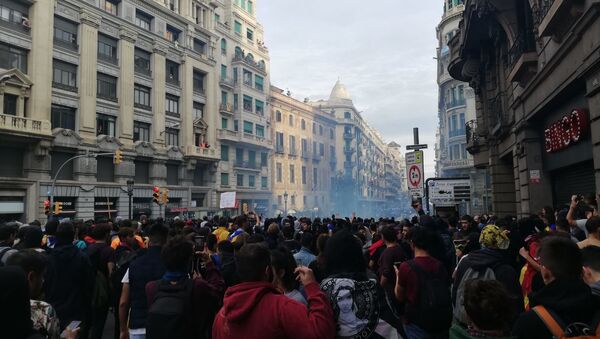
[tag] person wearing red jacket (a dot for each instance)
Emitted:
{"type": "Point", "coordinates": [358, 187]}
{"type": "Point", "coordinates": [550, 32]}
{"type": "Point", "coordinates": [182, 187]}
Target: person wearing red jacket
{"type": "Point", "coordinates": [256, 309]}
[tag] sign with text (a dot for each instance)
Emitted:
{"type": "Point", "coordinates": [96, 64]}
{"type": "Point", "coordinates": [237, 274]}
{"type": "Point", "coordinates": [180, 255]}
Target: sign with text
{"type": "Point", "coordinates": [447, 193]}
{"type": "Point", "coordinates": [415, 174]}
{"type": "Point", "coordinates": [227, 200]}
{"type": "Point", "coordinates": [569, 130]}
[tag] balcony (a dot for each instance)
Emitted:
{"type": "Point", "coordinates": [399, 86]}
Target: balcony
{"type": "Point", "coordinates": [348, 150]}
{"type": "Point", "coordinates": [456, 133]}
{"type": "Point", "coordinates": [348, 136]}
{"type": "Point", "coordinates": [456, 9]}
{"type": "Point", "coordinates": [247, 165]}
{"type": "Point", "coordinates": [256, 140]}
{"type": "Point", "coordinates": [556, 16]}
{"type": "Point", "coordinates": [172, 80]}
{"type": "Point", "coordinates": [64, 87]}
{"type": "Point", "coordinates": [22, 125]}
{"type": "Point", "coordinates": [226, 82]}
{"type": "Point", "coordinates": [173, 114]}
{"type": "Point", "coordinates": [476, 143]}
{"type": "Point", "coordinates": [108, 59]}
{"type": "Point", "coordinates": [70, 45]}
{"type": "Point", "coordinates": [142, 106]}
{"type": "Point", "coordinates": [305, 154]}
{"type": "Point", "coordinates": [279, 149]}
{"type": "Point", "coordinates": [316, 157]}
{"type": "Point", "coordinates": [225, 134]}
{"type": "Point", "coordinates": [349, 164]}
{"type": "Point", "coordinates": [293, 152]}
{"type": "Point", "coordinates": [522, 59]}
{"type": "Point", "coordinates": [199, 91]}
{"type": "Point", "coordinates": [249, 61]}
{"type": "Point", "coordinates": [226, 109]}
{"type": "Point", "coordinates": [142, 70]}
{"type": "Point", "coordinates": [456, 164]}
{"type": "Point", "coordinates": [195, 151]}
{"type": "Point", "coordinates": [453, 103]}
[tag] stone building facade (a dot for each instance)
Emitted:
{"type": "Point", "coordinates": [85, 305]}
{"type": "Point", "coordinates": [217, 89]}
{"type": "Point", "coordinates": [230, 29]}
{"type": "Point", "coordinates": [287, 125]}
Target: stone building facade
{"type": "Point", "coordinates": [456, 108]}
{"type": "Point", "coordinates": [535, 69]}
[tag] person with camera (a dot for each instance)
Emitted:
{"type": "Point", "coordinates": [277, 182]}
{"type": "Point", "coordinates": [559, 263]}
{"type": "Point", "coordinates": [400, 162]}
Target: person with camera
{"type": "Point", "coordinates": [580, 210]}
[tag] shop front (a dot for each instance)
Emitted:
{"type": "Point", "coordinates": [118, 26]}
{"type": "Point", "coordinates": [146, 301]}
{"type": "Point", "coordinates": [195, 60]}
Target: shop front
{"type": "Point", "coordinates": [69, 207]}
{"type": "Point", "coordinates": [567, 155]}
{"type": "Point", "coordinates": [142, 206]}
{"type": "Point", "coordinates": [105, 208]}
{"type": "Point", "coordinates": [173, 209]}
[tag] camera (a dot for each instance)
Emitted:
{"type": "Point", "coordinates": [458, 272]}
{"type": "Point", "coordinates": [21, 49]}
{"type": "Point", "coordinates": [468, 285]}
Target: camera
{"type": "Point", "coordinates": [200, 241]}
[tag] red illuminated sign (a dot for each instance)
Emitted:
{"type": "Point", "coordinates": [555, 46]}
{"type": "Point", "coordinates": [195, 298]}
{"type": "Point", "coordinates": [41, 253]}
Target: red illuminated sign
{"type": "Point", "coordinates": [567, 131]}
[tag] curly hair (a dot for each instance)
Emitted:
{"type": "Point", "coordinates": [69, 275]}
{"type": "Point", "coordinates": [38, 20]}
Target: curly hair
{"type": "Point", "coordinates": [177, 254]}
{"type": "Point", "coordinates": [488, 305]}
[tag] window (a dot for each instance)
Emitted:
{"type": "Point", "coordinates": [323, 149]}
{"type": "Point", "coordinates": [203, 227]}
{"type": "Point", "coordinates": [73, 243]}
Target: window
{"type": "Point", "coordinates": [10, 104]}
{"type": "Point", "coordinates": [236, 105]}
{"type": "Point", "coordinates": [142, 172]}
{"type": "Point", "coordinates": [65, 33]}
{"type": "Point", "coordinates": [57, 159]}
{"type": "Point", "coordinates": [259, 107]}
{"type": "Point", "coordinates": [224, 153]}
{"type": "Point", "coordinates": [315, 182]}
{"type": "Point", "coordinates": [278, 116]}
{"type": "Point", "coordinates": [247, 75]}
{"type": "Point", "coordinates": [172, 5]}
{"type": "Point", "coordinates": [304, 145]}
{"type": "Point", "coordinates": [224, 98]}
{"type": "Point", "coordinates": [223, 72]}
{"type": "Point", "coordinates": [224, 179]}
{"type": "Point", "coordinates": [462, 123]}
{"type": "Point", "coordinates": [63, 117]}
{"type": "Point", "coordinates": [172, 137]}
{"type": "Point", "coordinates": [279, 142]}
{"type": "Point", "coordinates": [105, 125]}
{"type": "Point", "coordinates": [320, 130]}
{"type": "Point", "coordinates": [247, 103]}
{"type": "Point", "coordinates": [197, 110]}
{"type": "Point", "coordinates": [240, 180]}
{"type": "Point", "coordinates": [321, 149]}
{"type": "Point", "coordinates": [251, 159]}
{"type": "Point", "coordinates": [224, 123]}
{"type": "Point", "coordinates": [235, 75]}
{"type": "Point", "coordinates": [263, 159]}
{"type": "Point", "coordinates": [107, 49]}
{"type": "Point", "coordinates": [199, 46]}
{"type": "Point", "coordinates": [172, 105]}
{"type": "Point", "coordinates": [331, 134]}
{"type": "Point", "coordinates": [235, 125]}
{"type": "Point", "coordinates": [249, 34]}
{"type": "Point", "coordinates": [264, 182]}
{"type": "Point", "coordinates": [141, 131]}
{"type": "Point", "coordinates": [237, 27]}
{"type": "Point", "coordinates": [239, 156]}
{"type": "Point", "coordinates": [223, 44]}
{"type": "Point", "coordinates": [142, 20]}
{"type": "Point", "coordinates": [314, 150]}
{"type": "Point", "coordinates": [172, 33]}
{"type": "Point", "coordinates": [110, 6]}
{"type": "Point", "coordinates": [12, 12]}
{"type": "Point", "coordinates": [198, 81]}
{"type": "Point", "coordinates": [260, 131]}
{"type": "Point", "coordinates": [303, 175]}
{"type": "Point", "coordinates": [251, 181]}
{"type": "Point", "coordinates": [250, 7]}
{"type": "Point", "coordinates": [172, 174]}
{"type": "Point", "coordinates": [142, 61]}
{"type": "Point", "coordinates": [259, 82]}
{"type": "Point", "coordinates": [332, 153]}
{"type": "Point", "coordinates": [347, 115]}
{"type": "Point", "coordinates": [141, 96]}
{"type": "Point", "coordinates": [13, 57]}
{"type": "Point", "coordinates": [292, 145]}
{"type": "Point", "coordinates": [107, 87]}
{"type": "Point", "coordinates": [64, 76]}
{"type": "Point", "coordinates": [292, 174]}
{"type": "Point", "coordinates": [279, 174]}
{"type": "Point", "coordinates": [248, 127]}
{"type": "Point", "coordinates": [217, 18]}
{"type": "Point", "coordinates": [105, 169]}
{"type": "Point", "coordinates": [172, 72]}
{"type": "Point", "coordinates": [293, 200]}
{"type": "Point", "coordinates": [303, 124]}
{"type": "Point", "coordinates": [291, 120]}
{"type": "Point", "coordinates": [314, 128]}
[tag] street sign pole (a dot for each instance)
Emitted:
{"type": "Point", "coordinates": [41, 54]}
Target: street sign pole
{"type": "Point", "coordinates": [414, 166]}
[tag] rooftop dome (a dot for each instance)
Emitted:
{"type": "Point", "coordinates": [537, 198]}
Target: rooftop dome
{"type": "Point", "coordinates": [339, 92]}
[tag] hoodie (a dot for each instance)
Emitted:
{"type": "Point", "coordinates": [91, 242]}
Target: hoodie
{"type": "Point", "coordinates": [258, 310]}
{"type": "Point", "coordinates": [495, 259]}
{"type": "Point", "coordinates": [571, 300]}
{"type": "Point", "coordinates": [69, 282]}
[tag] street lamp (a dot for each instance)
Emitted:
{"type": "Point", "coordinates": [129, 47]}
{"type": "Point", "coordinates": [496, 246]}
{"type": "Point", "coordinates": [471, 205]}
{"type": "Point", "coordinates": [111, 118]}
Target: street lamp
{"type": "Point", "coordinates": [130, 184]}
{"type": "Point", "coordinates": [285, 196]}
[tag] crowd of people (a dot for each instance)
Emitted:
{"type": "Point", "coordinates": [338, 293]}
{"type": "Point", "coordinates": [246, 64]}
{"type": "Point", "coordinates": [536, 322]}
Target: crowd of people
{"type": "Point", "coordinates": [287, 277]}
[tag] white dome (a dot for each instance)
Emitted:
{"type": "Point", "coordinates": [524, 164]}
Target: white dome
{"type": "Point", "coordinates": [339, 92]}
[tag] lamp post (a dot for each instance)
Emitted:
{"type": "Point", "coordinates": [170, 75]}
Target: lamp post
{"type": "Point", "coordinates": [285, 196]}
{"type": "Point", "coordinates": [130, 184]}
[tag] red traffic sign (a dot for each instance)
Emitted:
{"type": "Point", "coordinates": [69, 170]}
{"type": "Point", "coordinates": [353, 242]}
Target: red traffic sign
{"type": "Point", "coordinates": [415, 177]}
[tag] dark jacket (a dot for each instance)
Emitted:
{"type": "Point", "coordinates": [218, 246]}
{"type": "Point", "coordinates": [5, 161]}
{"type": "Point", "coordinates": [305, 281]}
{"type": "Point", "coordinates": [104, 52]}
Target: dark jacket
{"type": "Point", "coordinates": [571, 300]}
{"type": "Point", "coordinates": [495, 259]}
{"type": "Point", "coordinates": [144, 269]}
{"type": "Point", "coordinates": [69, 283]}
{"type": "Point", "coordinates": [229, 269]}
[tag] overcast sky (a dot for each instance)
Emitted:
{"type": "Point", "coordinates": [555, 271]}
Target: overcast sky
{"type": "Point", "coordinates": [381, 50]}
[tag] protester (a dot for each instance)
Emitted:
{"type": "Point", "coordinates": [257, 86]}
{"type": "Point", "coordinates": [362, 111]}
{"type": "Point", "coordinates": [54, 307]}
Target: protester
{"type": "Point", "coordinates": [352, 292]}
{"type": "Point", "coordinates": [256, 309]}
{"type": "Point", "coordinates": [8, 234]}
{"type": "Point", "coordinates": [182, 304]}
{"type": "Point", "coordinates": [221, 232]}
{"type": "Point", "coordinates": [142, 270]}
{"type": "Point", "coordinates": [16, 319]}
{"type": "Point", "coordinates": [288, 240]}
{"type": "Point", "coordinates": [592, 226]}
{"type": "Point", "coordinates": [284, 267]}
{"type": "Point", "coordinates": [422, 285]}
{"type": "Point", "coordinates": [591, 268]}
{"type": "Point", "coordinates": [580, 210]}
{"type": "Point", "coordinates": [565, 296]}
{"type": "Point", "coordinates": [305, 256]}
{"type": "Point", "coordinates": [318, 265]}
{"type": "Point", "coordinates": [228, 265]}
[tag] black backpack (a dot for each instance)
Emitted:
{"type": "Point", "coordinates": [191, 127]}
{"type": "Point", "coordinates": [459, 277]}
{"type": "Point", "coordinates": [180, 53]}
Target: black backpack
{"type": "Point", "coordinates": [433, 310]}
{"type": "Point", "coordinates": [169, 316]}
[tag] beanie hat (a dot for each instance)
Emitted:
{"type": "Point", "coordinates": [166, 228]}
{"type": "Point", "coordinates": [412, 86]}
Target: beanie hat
{"type": "Point", "coordinates": [493, 237]}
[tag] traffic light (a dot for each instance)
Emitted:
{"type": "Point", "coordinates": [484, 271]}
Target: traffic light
{"type": "Point", "coordinates": [58, 206]}
{"type": "Point", "coordinates": [165, 196]}
{"type": "Point", "coordinates": [118, 157]}
{"type": "Point", "coordinates": [46, 207]}
{"type": "Point", "coordinates": [156, 195]}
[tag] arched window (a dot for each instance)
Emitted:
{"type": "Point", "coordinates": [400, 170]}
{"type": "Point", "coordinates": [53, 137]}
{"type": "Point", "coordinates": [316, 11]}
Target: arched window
{"type": "Point", "coordinates": [238, 51]}
{"type": "Point", "coordinates": [250, 57]}
{"type": "Point", "coordinates": [261, 64]}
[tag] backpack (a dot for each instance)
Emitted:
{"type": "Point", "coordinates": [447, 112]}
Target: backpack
{"type": "Point", "coordinates": [169, 315]}
{"type": "Point", "coordinates": [576, 330]}
{"type": "Point", "coordinates": [487, 273]}
{"type": "Point", "coordinates": [101, 291]}
{"type": "Point", "coordinates": [121, 267]}
{"type": "Point", "coordinates": [433, 310]}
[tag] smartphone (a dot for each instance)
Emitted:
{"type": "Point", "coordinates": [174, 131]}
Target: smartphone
{"type": "Point", "coordinates": [200, 241]}
{"type": "Point", "coordinates": [73, 325]}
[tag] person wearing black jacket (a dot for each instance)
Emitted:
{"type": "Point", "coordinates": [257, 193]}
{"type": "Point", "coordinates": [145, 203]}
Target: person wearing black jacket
{"type": "Point", "coordinates": [69, 279]}
{"type": "Point", "coordinates": [564, 295]}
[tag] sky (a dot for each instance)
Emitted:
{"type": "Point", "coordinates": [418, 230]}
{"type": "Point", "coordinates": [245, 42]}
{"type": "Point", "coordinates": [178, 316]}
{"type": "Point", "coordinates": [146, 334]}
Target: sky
{"type": "Point", "coordinates": [382, 50]}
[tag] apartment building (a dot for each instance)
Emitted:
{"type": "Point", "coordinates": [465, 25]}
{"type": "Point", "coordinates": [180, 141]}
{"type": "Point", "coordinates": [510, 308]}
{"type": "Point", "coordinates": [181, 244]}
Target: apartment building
{"type": "Point", "coordinates": [81, 77]}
